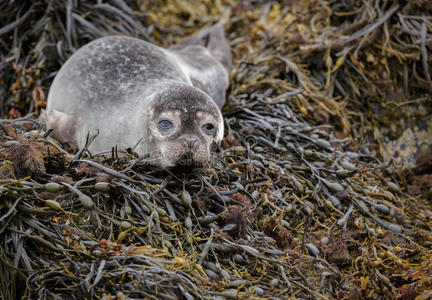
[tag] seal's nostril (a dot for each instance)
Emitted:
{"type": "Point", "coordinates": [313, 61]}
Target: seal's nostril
{"type": "Point", "coordinates": [190, 143]}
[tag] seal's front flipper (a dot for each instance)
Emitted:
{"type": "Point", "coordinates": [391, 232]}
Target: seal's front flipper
{"type": "Point", "coordinates": [213, 38]}
{"type": "Point", "coordinates": [64, 125]}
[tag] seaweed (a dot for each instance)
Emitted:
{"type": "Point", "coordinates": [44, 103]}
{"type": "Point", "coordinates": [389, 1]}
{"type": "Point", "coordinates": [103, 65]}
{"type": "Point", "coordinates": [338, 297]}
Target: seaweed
{"type": "Point", "coordinates": [297, 201]}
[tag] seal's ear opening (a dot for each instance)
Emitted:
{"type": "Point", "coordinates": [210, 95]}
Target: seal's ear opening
{"type": "Point", "coordinates": [220, 132]}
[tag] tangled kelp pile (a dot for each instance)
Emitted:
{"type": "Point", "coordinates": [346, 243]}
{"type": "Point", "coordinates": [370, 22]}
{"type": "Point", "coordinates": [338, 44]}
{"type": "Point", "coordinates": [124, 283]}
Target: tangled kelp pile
{"type": "Point", "coordinates": [294, 205]}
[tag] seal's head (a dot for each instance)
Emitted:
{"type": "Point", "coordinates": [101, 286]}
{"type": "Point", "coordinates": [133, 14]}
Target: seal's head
{"type": "Point", "coordinates": [183, 124]}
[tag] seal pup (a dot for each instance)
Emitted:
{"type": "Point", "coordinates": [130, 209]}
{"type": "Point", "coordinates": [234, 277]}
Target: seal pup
{"type": "Point", "coordinates": [131, 91]}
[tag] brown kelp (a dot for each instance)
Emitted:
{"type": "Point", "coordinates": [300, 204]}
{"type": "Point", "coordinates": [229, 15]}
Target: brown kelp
{"type": "Point", "coordinates": [36, 37]}
{"type": "Point", "coordinates": [296, 203]}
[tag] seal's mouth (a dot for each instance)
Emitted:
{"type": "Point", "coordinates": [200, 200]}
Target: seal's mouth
{"type": "Point", "coordinates": [186, 163]}
{"type": "Point", "coordinates": [187, 160]}
{"type": "Point", "coordinates": [176, 154]}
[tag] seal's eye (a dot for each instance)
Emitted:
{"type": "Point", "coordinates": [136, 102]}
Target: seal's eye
{"type": "Point", "coordinates": [165, 125]}
{"type": "Point", "coordinates": [208, 128]}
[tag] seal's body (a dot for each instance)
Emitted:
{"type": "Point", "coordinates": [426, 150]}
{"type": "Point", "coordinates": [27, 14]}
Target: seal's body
{"type": "Point", "coordinates": [132, 91]}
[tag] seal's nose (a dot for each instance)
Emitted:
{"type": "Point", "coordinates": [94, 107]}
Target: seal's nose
{"type": "Point", "coordinates": [190, 143]}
